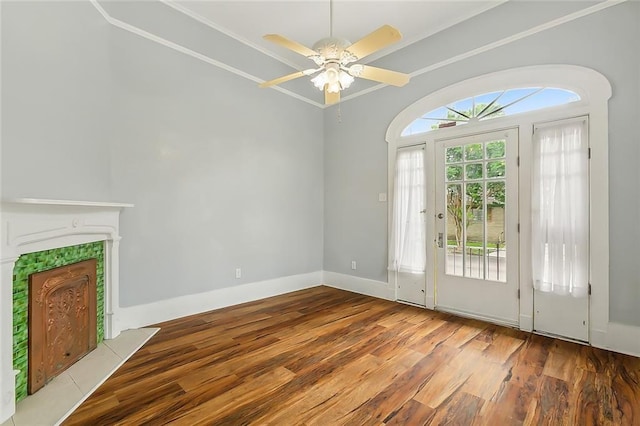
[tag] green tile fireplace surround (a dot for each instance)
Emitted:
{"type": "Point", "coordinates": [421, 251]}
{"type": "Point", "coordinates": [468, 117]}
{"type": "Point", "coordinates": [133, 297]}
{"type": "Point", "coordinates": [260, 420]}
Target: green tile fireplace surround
{"type": "Point", "coordinates": [40, 261]}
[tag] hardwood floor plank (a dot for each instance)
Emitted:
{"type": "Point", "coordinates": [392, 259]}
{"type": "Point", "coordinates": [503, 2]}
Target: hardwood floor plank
{"type": "Point", "coordinates": [317, 397]}
{"type": "Point", "coordinates": [592, 400]}
{"type": "Point", "coordinates": [462, 409]}
{"type": "Point", "coordinates": [411, 413]}
{"type": "Point", "coordinates": [366, 389]}
{"type": "Point", "coordinates": [239, 396]}
{"type": "Point", "coordinates": [626, 396]}
{"type": "Point", "coordinates": [444, 383]}
{"type": "Point", "coordinates": [403, 388]}
{"type": "Point", "coordinates": [485, 379]}
{"type": "Point", "coordinates": [552, 402]}
{"type": "Point", "coordinates": [324, 356]}
{"type": "Point", "coordinates": [465, 333]}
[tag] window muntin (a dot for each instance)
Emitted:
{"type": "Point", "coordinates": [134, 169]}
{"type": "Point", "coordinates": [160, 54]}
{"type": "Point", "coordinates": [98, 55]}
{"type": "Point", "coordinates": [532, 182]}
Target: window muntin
{"type": "Point", "coordinates": [475, 176]}
{"type": "Point", "coordinates": [490, 105]}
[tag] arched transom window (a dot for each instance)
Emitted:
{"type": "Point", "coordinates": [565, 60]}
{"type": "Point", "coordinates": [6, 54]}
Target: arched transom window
{"type": "Point", "coordinates": [490, 105]}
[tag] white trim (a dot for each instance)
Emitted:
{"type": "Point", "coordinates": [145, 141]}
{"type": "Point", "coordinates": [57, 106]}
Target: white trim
{"type": "Point", "coordinates": [100, 9]}
{"type": "Point", "coordinates": [398, 46]}
{"type": "Point", "coordinates": [179, 48]}
{"type": "Point", "coordinates": [526, 322]}
{"type": "Point", "coordinates": [182, 306]}
{"type": "Point", "coordinates": [523, 34]}
{"type": "Point", "coordinates": [587, 83]}
{"type": "Point", "coordinates": [621, 338]}
{"type": "Point", "coordinates": [499, 43]}
{"type": "Point", "coordinates": [433, 30]}
{"type": "Point", "coordinates": [359, 285]}
{"type": "Point", "coordinates": [65, 202]}
{"type": "Point", "coordinates": [465, 55]}
{"type": "Point", "coordinates": [196, 16]}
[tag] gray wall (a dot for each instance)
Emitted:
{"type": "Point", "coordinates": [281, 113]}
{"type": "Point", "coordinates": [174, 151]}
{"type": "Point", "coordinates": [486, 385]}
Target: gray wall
{"type": "Point", "coordinates": [223, 174]}
{"type": "Point", "coordinates": [55, 101]}
{"type": "Point", "coordinates": [356, 153]}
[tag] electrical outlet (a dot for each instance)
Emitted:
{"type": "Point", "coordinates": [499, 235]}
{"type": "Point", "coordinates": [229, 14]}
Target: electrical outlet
{"type": "Point", "coordinates": [238, 273]}
{"type": "Point", "coordinates": [382, 197]}
{"type": "Point", "coordinates": [353, 264]}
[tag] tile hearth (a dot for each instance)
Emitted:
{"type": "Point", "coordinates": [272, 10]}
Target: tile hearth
{"type": "Point", "coordinates": [65, 393]}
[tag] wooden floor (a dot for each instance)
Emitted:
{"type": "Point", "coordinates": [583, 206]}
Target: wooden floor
{"type": "Point", "coordinates": [329, 357]}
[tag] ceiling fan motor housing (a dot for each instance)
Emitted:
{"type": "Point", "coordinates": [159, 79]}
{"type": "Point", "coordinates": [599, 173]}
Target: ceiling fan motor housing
{"type": "Point", "coordinates": [334, 48]}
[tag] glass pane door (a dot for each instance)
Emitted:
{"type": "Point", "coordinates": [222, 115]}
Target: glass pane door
{"type": "Point", "coordinates": [475, 206]}
{"type": "Point", "coordinates": [476, 224]}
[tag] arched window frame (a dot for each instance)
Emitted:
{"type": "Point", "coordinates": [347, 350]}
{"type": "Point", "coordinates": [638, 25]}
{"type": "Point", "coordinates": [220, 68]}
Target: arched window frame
{"type": "Point", "coordinates": [594, 91]}
{"type": "Point", "coordinates": [490, 110]}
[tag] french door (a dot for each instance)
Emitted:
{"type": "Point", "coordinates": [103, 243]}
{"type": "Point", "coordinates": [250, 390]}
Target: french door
{"type": "Point", "coordinates": [561, 228]}
{"type": "Point", "coordinates": [409, 235]}
{"type": "Point", "coordinates": [476, 226]}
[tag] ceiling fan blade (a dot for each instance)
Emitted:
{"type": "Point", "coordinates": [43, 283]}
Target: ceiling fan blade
{"type": "Point", "coordinates": [382, 75]}
{"type": "Point", "coordinates": [282, 79]}
{"type": "Point", "coordinates": [330, 98]}
{"type": "Point", "coordinates": [290, 44]}
{"type": "Point", "coordinates": [380, 38]}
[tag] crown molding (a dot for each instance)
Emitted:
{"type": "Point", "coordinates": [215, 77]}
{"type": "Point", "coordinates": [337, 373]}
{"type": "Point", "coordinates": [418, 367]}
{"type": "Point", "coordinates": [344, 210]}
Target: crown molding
{"type": "Point", "coordinates": [196, 16]}
{"type": "Point", "coordinates": [457, 58]}
{"type": "Point", "coordinates": [398, 46]}
{"type": "Point", "coordinates": [499, 43]}
{"type": "Point", "coordinates": [433, 30]}
{"type": "Point", "coordinates": [182, 49]}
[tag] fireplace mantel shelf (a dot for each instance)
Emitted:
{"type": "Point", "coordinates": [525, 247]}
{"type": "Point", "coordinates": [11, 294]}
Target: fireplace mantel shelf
{"type": "Point", "coordinates": [65, 203]}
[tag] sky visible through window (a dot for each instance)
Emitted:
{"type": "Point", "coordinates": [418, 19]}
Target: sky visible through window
{"type": "Point", "coordinates": [490, 105]}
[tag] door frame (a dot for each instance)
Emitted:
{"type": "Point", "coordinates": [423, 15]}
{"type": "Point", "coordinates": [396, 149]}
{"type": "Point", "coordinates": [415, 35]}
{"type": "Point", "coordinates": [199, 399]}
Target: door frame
{"type": "Point", "coordinates": [595, 91]}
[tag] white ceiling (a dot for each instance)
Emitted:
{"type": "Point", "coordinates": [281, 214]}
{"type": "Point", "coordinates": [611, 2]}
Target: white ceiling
{"type": "Point", "coordinates": [307, 21]}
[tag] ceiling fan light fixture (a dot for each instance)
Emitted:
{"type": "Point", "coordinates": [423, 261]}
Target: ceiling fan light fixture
{"type": "Point", "coordinates": [333, 78]}
{"type": "Point", "coordinates": [345, 79]}
{"type": "Point", "coordinates": [320, 80]}
{"type": "Point", "coordinates": [333, 87]}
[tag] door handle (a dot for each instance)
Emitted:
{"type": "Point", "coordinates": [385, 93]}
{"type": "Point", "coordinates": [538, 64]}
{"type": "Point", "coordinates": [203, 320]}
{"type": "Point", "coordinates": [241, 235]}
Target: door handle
{"type": "Point", "coordinates": [440, 216]}
{"type": "Point", "coordinates": [440, 240]}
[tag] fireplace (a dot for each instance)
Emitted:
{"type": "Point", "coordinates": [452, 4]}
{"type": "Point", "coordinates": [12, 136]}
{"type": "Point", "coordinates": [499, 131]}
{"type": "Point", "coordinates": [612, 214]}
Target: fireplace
{"type": "Point", "coordinates": [30, 226]}
{"type": "Point", "coordinates": [62, 320]}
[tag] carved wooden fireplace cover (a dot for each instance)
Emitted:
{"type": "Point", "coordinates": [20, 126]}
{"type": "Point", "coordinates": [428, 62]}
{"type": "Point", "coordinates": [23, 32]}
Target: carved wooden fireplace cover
{"type": "Point", "coordinates": [62, 320]}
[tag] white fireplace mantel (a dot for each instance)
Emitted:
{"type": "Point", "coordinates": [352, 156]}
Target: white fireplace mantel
{"type": "Point", "coordinates": [29, 225]}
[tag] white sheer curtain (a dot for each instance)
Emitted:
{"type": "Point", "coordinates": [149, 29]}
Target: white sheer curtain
{"type": "Point", "coordinates": [560, 204]}
{"type": "Point", "coordinates": [408, 226]}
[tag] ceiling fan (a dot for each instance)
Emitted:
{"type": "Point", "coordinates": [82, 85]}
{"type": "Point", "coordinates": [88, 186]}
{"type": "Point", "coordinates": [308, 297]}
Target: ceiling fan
{"type": "Point", "coordinates": [335, 59]}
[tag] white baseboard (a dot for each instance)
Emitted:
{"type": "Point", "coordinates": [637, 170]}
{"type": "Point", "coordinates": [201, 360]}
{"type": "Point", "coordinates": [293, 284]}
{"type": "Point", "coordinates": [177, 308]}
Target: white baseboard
{"type": "Point", "coordinates": [618, 337]}
{"type": "Point", "coordinates": [359, 285]}
{"type": "Point", "coordinates": [431, 302]}
{"type": "Point", "coordinates": [178, 307]}
{"type": "Point", "coordinates": [526, 322]}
